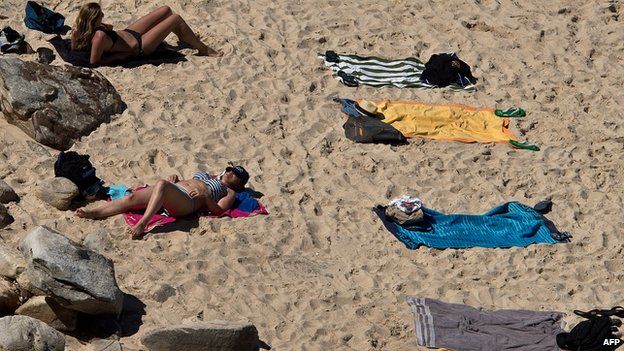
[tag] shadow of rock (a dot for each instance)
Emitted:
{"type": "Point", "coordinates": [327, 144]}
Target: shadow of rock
{"type": "Point", "coordinates": [163, 54]}
{"type": "Point", "coordinates": [102, 327]}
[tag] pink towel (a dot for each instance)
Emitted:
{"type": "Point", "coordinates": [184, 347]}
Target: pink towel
{"type": "Point", "coordinates": [245, 206]}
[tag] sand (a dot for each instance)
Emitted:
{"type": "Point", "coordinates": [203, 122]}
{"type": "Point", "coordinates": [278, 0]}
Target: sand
{"type": "Point", "coordinates": [321, 273]}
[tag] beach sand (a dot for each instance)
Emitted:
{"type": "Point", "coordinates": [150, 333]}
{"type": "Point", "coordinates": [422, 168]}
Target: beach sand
{"type": "Point", "coordinates": [320, 272]}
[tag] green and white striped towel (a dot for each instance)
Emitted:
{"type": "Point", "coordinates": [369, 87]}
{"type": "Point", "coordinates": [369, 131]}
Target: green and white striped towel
{"type": "Point", "coordinates": [378, 72]}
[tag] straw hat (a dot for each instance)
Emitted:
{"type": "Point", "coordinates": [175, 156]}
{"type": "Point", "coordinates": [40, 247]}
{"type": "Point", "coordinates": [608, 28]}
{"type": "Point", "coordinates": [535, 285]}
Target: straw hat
{"type": "Point", "coordinates": [366, 107]}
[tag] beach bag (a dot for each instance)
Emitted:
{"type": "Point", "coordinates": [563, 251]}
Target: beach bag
{"type": "Point", "coordinates": [79, 170]}
{"type": "Point", "coordinates": [366, 129]}
{"type": "Point", "coordinates": [43, 19]}
{"type": "Point", "coordinates": [445, 69]}
{"type": "Point", "coordinates": [10, 40]}
{"type": "Point", "coordinates": [594, 334]}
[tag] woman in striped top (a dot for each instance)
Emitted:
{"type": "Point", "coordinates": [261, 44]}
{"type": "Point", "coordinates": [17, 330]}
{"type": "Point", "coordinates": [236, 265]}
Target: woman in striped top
{"type": "Point", "coordinates": [201, 193]}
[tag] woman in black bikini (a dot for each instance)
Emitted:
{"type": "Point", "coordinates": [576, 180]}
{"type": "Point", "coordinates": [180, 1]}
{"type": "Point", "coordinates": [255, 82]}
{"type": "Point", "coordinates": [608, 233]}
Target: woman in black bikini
{"type": "Point", "coordinates": [140, 38]}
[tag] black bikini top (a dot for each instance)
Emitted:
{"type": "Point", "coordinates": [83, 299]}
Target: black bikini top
{"type": "Point", "coordinates": [110, 33]}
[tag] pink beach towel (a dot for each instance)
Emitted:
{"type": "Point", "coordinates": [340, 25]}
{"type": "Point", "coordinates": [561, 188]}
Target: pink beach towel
{"type": "Point", "coordinates": [244, 206]}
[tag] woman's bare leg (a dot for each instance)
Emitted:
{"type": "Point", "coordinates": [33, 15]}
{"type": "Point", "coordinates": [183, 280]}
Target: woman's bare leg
{"type": "Point", "coordinates": [164, 194]}
{"type": "Point", "coordinates": [134, 201]}
{"type": "Point", "coordinates": [147, 22]}
{"type": "Point", "coordinates": [177, 25]}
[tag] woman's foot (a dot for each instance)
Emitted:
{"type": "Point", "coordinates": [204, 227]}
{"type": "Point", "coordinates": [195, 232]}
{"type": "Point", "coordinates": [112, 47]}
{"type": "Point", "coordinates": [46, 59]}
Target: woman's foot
{"type": "Point", "coordinates": [137, 231]}
{"type": "Point", "coordinates": [84, 213]}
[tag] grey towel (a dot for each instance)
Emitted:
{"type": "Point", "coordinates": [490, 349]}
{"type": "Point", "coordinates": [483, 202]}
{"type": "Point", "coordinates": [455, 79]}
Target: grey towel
{"type": "Point", "coordinates": [465, 328]}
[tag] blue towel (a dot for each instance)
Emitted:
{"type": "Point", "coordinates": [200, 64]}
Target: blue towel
{"type": "Point", "coordinates": [511, 224]}
{"type": "Point", "coordinates": [117, 192]}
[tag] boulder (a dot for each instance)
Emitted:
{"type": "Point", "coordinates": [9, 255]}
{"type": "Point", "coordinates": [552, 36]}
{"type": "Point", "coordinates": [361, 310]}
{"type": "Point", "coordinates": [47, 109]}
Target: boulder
{"type": "Point", "coordinates": [50, 312]}
{"type": "Point", "coordinates": [5, 217]}
{"type": "Point", "coordinates": [55, 105]}
{"type": "Point", "coordinates": [7, 194]}
{"type": "Point", "coordinates": [21, 333]}
{"type": "Point", "coordinates": [58, 192]}
{"type": "Point", "coordinates": [12, 263]}
{"type": "Point", "coordinates": [9, 297]}
{"type": "Point", "coordinates": [78, 278]}
{"type": "Point", "coordinates": [207, 336]}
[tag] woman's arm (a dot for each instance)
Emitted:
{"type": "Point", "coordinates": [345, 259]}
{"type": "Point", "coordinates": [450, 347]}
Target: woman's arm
{"type": "Point", "coordinates": [217, 208]}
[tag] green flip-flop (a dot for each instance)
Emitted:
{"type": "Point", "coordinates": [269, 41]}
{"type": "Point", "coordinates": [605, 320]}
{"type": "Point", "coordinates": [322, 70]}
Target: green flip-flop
{"type": "Point", "coordinates": [524, 146]}
{"type": "Point", "coordinates": [510, 112]}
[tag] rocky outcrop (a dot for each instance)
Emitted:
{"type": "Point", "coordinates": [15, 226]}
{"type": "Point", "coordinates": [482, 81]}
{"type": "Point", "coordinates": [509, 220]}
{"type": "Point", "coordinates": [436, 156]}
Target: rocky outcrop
{"type": "Point", "coordinates": [58, 192]}
{"type": "Point", "coordinates": [12, 263]}
{"type": "Point", "coordinates": [78, 278]}
{"type": "Point", "coordinates": [208, 336]}
{"type": "Point", "coordinates": [7, 194]}
{"type": "Point", "coordinates": [50, 312]}
{"type": "Point", "coordinates": [55, 105]}
{"type": "Point", "coordinates": [21, 333]}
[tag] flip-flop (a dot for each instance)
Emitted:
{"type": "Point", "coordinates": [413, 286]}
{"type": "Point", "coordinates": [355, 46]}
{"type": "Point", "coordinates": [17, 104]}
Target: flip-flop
{"type": "Point", "coordinates": [524, 146]}
{"type": "Point", "coordinates": [510, 112]}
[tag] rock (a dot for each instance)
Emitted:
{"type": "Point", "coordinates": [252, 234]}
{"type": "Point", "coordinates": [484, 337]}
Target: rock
{"type": "Point", "coordinates": [105, 345]}
{"type": "Point", "coordinates": [163, 293]}
{"type": "Point", "coordinates": [9, 297]}
{"type": "Point", "coordinates": [50, 312]}
{"type": "Point", "coordinates": [207, 336]}
{"type": "Point", "coordinates": [78, 278]}
{"type": "Point", "coordinates": [5, 217]}
{"type": "Point", "coordinates": [12, 263]}
{"type": "Point", "coordinates": [21, 333]}
{"type": "Point", "coordinates": [58, 192]}
{"type": "Point", "coordinates": [7, 194]}
{"type": "Point", "coordinates": [55, 105]}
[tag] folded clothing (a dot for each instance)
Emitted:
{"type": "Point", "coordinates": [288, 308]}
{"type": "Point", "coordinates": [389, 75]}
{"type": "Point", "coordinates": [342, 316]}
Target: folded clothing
{"type": "Point", "coordinates": [464, 328]}
{"type": "Point", "coordinates": [10, 40]}
{"type": "Point", "coordinates": [406, 210]}
{"type": "Point", "coordinates": [508, 225]}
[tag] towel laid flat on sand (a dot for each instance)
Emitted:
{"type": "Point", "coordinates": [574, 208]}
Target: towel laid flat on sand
{"type": "Point", "coordinates": [244, 206]}
{"type": "Point", "coordinates": [448, 122]}
{"type": "Point", "coordinates": [511, 224]}
{"type": "Point", "coordinates": [353, 70]}
{"type": "Point", "coordinates": [464, 328]}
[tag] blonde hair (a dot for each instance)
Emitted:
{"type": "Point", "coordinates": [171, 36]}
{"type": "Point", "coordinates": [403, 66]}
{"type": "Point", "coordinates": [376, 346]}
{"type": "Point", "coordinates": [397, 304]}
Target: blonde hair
{"type": "Point", "coordinates": [85, 25]}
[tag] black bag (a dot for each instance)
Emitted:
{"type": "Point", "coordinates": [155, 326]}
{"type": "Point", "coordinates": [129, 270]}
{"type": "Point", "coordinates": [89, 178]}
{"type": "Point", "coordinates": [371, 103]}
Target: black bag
{"type": "Point", "coordinates": [79, 170]}
{"type": "Point", "coordinates": [594, 334]}
{"type": "Point", "coordinates": [43, 19]}
{"type": "Point", "coordinates": [444, 69]}
{"type": "Point", "coordinates": [365, 129]}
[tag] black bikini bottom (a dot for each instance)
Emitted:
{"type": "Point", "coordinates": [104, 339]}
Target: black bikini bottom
{"type": "Point", "coordinates": [136, 36]}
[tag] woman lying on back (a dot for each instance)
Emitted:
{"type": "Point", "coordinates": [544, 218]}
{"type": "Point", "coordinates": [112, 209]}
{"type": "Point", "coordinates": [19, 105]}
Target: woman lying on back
{"type": "Point", "coordinates": [140, 38]}
{"type": "Point", "coordinates": [201, 193]}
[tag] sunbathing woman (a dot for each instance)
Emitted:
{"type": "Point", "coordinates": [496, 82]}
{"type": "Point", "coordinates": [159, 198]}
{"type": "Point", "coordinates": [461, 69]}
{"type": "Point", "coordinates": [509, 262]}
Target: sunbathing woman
{"type": "Point", "coordinates": [140, 38]}
{"type": "Point", "coordinates": [180, 198]}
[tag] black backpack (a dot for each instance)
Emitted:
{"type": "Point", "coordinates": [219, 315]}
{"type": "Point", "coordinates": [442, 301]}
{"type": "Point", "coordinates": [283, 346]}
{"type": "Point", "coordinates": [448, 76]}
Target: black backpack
{"type": "Point", "coordinates": [594, 334]}
{"type": "Point", "coordinates": [79, 170]}
{"type": "Point", "coordinates": [365, 129]}
{"type": "Point", "coordinates": [441, 71]}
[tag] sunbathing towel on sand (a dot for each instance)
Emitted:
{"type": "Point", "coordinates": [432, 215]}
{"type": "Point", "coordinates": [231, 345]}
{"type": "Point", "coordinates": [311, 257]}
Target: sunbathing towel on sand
{"type": "Point", "coordinates": [244, 206]}
{"type": "Point", "coordinates": [511, 224]}
{"type": "Point", "coordinates": [448, 122]}
{"type": "Point", "coordinates": [353, 70]}
{"type": "Point", "coordinates": [464, 328]}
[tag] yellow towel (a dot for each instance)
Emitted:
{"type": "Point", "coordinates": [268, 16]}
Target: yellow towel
{"type": "Point", "coordinates": [447, 122]}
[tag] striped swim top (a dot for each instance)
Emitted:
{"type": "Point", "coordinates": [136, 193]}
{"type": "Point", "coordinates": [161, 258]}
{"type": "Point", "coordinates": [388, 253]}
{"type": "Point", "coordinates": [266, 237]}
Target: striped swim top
{"type": "Point", "coordinates": [214, 185]}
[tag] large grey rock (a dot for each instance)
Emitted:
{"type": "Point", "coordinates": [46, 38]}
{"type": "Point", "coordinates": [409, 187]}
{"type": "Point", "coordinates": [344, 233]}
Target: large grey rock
{"type": "Point", "coordinates": [50, 312]}
{"type": "Point", "coordinates": [78, 278]}
{"type": "Point", "coordinates": [207, 336]}
{"type": "Point", "coordinates": [55, 105]}
{"type": "Point", "coordinates": [9, 297]}
{"type": "Point", "coordinates": [21, 333]}
{"type": "Point", "coordinates": [7, 194]}
{"type": "Point", "coordinates": [5, 217]}
{"type": "Point", "coordinates": [58, 192]}
{"type": "Point", "coordinates": [12, 263]}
